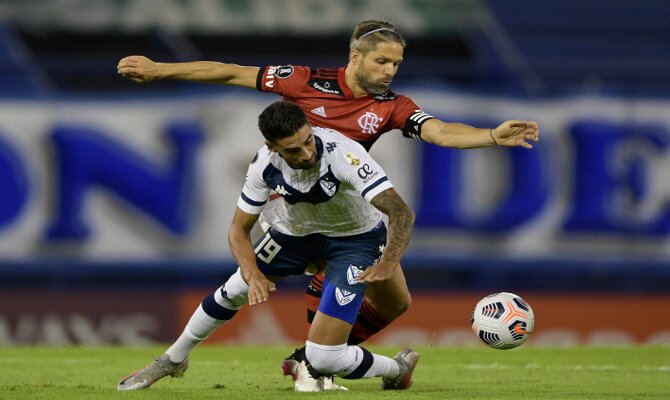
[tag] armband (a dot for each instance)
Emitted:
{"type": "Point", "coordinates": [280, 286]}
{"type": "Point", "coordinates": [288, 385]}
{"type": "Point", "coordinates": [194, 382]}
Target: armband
{"type": "Point", "coordinates": [414, 123]}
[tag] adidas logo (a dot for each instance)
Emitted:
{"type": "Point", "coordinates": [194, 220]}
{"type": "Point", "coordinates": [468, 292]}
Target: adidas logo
{"type": "Point", "coordinates": [319, 111]}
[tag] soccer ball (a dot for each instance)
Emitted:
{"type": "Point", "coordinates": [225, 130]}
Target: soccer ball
{"type": "Point", "coordinates": [502, 320]}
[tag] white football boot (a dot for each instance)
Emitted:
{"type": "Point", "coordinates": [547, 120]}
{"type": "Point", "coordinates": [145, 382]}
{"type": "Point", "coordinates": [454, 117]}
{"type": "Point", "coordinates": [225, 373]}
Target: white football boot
{"type": "Point", "coordinates": [305, 377]}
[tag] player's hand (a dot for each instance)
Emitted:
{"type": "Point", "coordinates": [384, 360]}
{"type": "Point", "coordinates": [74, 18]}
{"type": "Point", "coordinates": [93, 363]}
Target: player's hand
{"type": "Point", "coordinates": [381, 271]}
{"type": "Point", "coordinates": [516, 133]}
{"type": "Point", "coordinates": [138, 69]}
{"type": "Point", "coordinates": [259, 289]}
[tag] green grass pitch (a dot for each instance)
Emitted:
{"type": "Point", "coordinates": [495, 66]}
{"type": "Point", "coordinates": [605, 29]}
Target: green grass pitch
{"type": "Point", "coordinates": [252, 373]}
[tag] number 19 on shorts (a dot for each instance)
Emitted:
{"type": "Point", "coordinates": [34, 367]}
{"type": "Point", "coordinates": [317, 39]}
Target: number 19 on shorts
{"type": "Point", "coordinates": [267, 249]}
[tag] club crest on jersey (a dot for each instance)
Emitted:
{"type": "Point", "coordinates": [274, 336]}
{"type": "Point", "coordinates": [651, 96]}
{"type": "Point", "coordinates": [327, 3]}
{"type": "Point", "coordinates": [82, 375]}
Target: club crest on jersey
{"type": "Point", "coordinates": [328, 187]}
{"type": "Point", "coordinates": [344, 297]}
{"type": "Point", "coordinates": [352, 159]}
{"type": "Point", "coordinates": [369, 122]}
{"type": "Point", "coordinates": [352, 272]}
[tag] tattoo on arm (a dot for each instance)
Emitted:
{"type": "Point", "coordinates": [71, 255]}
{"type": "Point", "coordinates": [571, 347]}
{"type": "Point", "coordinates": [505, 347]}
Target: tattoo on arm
{"type": "Point", "coordinates": [401, 222]}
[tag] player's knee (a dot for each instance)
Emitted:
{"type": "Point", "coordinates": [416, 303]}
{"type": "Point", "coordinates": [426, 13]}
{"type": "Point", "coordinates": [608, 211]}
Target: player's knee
{"type": "Point", "coordinates": [404, 304]}
{"type": "Point", "coordinates": [326, 359]}
{"type": "Point", "coordinates": [396, 312]}
{"type": "Point", "coordinates": [394, 307]}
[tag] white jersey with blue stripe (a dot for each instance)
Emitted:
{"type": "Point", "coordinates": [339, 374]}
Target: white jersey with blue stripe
{"type": "Point", "coordinates": [332, 198]}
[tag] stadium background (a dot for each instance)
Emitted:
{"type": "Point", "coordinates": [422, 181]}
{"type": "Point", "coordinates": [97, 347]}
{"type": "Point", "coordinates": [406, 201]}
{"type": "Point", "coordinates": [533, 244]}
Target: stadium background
{"type": "Point", "coordinates": [115, 198]}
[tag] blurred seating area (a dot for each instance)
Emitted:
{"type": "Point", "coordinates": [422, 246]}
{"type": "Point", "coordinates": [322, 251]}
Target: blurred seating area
{"type": "Point", "coordinates": [617, 47]}
{"type": "Point", "coordinates": [518, 47]}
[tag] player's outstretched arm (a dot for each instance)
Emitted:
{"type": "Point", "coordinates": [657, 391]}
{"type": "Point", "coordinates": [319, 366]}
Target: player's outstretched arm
{"type": "Point", "coordinates": [141, 69]}
{"type": "Point", "coordinates": [401, 224]}
{"type": "Point", "coordinates": [510, 133]}
{"type": "Point", "coordinates": [239, 240]}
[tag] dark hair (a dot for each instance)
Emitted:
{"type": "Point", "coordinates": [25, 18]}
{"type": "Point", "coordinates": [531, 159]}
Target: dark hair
{"type": "Point", "coordinates": [367, 34]}
{"type": "Point", "coordinates": [281, 119]}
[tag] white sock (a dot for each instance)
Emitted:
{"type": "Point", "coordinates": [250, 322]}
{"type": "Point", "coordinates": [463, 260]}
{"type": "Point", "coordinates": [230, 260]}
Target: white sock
{"type": "Point", "coordinates": [347, 361]}
{"type": "Point", "coordinates": [198, 328]}
{"type": "Point", "coordinates": [385, 367]}
{"type": "Point", "coordinates": [223, 305]}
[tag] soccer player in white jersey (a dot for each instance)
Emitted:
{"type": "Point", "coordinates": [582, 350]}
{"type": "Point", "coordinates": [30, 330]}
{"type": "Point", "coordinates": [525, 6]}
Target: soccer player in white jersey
{"type": "Point", "coordinates": [334, 196]}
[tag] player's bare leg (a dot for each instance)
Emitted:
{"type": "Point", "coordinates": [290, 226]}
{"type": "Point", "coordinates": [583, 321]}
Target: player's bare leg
{"type": "Point", "coordinates": [390, 298]}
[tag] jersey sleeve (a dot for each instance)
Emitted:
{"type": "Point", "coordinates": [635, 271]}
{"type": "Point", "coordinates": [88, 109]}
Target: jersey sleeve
{"type": "Point", "coordinates": [255, 191]}
{"type": "Point", "coordinates": [409, 118]}
{"type": "Point", "coordinates": [356, 167]}
{"type": "Point", "coordinates": [286, 80]}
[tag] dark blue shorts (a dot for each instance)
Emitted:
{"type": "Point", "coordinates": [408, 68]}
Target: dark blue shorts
{"type": "Point", "coordinates": [282, 255]}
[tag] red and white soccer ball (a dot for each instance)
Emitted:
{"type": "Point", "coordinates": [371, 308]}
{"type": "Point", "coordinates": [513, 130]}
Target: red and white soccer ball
{"type": "Point", "coordinates": [503, 320]}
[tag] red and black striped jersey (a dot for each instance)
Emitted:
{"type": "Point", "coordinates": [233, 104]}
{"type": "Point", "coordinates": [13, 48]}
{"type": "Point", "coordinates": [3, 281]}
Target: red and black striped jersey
{"type": "Point", "coordinates": [328, 102]}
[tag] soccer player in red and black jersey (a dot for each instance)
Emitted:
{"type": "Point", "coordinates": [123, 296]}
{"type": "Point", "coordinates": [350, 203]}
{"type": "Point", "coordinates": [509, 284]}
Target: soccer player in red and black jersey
{"type": "Point", "coordinates": [355, 100]}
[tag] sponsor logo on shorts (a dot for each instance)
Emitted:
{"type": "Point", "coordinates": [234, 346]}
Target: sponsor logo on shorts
{"type": "Point", "coordinates": [344, 297]}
